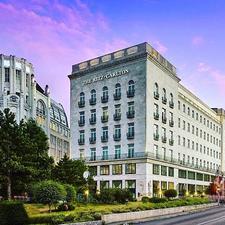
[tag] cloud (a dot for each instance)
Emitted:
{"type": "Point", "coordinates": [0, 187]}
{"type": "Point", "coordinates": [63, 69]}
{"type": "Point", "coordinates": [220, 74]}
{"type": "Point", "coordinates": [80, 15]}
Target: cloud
{"type": "Point", "coordinates": [203, 67]}
{"type": "Point", "coordinates": [197, 40]}
{"type": "Point", "coordinates": [160, 47]}
{"type": "Point", "coordinates": [53, 36]}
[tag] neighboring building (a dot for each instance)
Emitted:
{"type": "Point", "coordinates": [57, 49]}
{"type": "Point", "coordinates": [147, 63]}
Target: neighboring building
{"type": "Point", "coordinates": [23, 96]}
{"type": "Point", "coordinates": [139, 128]}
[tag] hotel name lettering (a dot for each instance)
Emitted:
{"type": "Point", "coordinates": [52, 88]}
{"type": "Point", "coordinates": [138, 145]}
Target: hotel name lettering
{"type": "Point", "coordinates": [106, 76]}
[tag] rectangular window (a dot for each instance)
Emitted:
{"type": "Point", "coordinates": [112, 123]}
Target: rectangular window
{"type": "Point", "coordinates": [182, 174]}
{"type": "Point", "coordinates": [130, 107]}
{"type": "Point", "coordinates": [130, 168]}
{"type": "Point", "coordinates": [93, 154]}
{"type": "Point", "coordinates": [117, 110]}
{"type": "Point", "coordinates": [117, 169]}
{"type": "Point", "coordinates": [117, 152]}
{"type": "Point", "coordinates": [130, 129]}
{"type": "Point", "coordinates": [7, 75]}
{"type": "Point", "coordinates": [104, 170]}
{"type": "Point", "coordinates": [104, 184]}
{"type": "Point", "coordinates": [105, 132]}
{"type": "Point", "coordinates": [156, 169]}
{"type": "Point", "coordinates": [117, 184]}
{"type": "Point", "coordinates": [117, 131]}
{"type": "Point", "coordinates": [105, 155]}
{"type": "Point", "coordinates": [130, 150]}
{"type": "Point", "coordinates": [191, 175]}
{"type": "Point", "coordinates": [171, 172]}
{"type": "Point", "coordinates": [199, 176]}
{"type": "Point", "coordinates": [163, 170]}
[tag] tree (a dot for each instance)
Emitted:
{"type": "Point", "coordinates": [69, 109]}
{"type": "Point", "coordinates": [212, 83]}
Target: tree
{"type": "Point", "coordinates": [11, 141]}
{"type": "Point", "coordinates": [49, 192]}
{"type": "Point", "coordinates": [70, 171]}
{"type": "Point", "coordinates": [171, 193]}
{"type": "Point", "coordinates": [70, 193]}
{"type": "Point", "coordinates": [23, 153]}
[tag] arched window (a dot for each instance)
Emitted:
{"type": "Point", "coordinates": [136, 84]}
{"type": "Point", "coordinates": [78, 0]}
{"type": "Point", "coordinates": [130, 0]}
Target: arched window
{"type": "Point", "coordinates": [156, 88]}
{"type": "Point", "coordinates": [105, 95]}
{"type": "Point", "coordinates": [81, 102]}
{"type": "Point", "coordinates": [117, 94]}
{"type": "Point", "coordinates": [171, 103]}
{"type": "Point", "coordinates": [156, 91]}
{"type": "Point", "coordinates": [171, 97]}
{"type": "Point", "coordinates": [93, 94]}
{"type": "Point", "coordinates": [82, 97]}
{"type": "Point", "coordinates": [41, 109]}
{"type": "Point", "coordinates": [131, 89]}
{"type": "Point", "coordinates": [118, 89]}
{"type": "Point", "coordinates": [93, 97]}
{"type": "Point", "coordinates": [105, 92]}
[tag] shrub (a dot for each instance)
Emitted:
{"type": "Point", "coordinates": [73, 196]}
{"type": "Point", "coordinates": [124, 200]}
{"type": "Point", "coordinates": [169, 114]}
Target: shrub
{"type": "Point", "coordinates": [112, 195]}
{"type": "Point", "coordinates": [145, 199]}
{"type": "Point", "coordinates": [171, 193]}
{"type": "Point", "coordinates": [12, 213]}
{"type": "Point", "coordinates": [157, 200]}
{"type": "Point", "coordinates": [70, 193]}
{"type": "Point", "coordinates": [66, 207]}
{"type": "Point", "coordinates": [49, 192]}
{"type": "Point", "coordinates": [122, 195]}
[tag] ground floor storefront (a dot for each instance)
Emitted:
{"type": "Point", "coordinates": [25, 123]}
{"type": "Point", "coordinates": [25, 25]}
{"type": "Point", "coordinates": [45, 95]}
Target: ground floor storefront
{"type": "Point", "coordinates": [148, 177]}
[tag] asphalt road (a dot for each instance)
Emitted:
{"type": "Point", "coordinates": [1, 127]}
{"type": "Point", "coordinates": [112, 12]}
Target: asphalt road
{"type": "Point", "coordinates": [213, 216]}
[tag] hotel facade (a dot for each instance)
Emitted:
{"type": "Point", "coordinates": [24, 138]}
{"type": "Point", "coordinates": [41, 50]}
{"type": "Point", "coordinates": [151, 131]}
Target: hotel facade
{"type": "Point", "coordinates": [138, 127]}
{"type": "Point", "coordinates": [26, 99]}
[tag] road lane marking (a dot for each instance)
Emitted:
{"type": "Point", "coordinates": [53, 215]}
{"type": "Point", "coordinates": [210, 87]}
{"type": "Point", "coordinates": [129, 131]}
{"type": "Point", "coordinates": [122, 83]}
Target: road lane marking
{"type": "Point", "coordinates": [209, 221]}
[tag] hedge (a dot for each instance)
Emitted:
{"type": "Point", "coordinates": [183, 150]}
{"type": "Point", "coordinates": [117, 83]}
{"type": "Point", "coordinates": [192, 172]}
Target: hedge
{"type": "Point", "coordinates": [13, 213]}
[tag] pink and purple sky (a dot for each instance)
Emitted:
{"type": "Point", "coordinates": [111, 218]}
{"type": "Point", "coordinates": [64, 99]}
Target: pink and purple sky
{"type": "Point", "coordinates": [54, 34]}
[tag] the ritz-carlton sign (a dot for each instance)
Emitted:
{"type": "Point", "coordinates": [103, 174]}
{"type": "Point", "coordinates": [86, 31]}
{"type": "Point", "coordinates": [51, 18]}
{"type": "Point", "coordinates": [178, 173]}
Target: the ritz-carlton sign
{"type": "Point", "coordinates": [106, 76]}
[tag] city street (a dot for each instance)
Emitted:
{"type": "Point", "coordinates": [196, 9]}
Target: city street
{"type": "Point", "coordinates": [214, 216]}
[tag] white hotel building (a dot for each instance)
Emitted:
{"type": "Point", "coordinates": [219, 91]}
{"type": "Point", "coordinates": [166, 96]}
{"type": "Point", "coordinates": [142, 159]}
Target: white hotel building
{"type": "Point", "coordinates": [138, 127]}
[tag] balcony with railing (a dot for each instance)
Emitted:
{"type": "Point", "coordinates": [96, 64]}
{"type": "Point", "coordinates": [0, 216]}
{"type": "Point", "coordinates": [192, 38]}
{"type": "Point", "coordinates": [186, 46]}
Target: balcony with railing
{"type": "Point", "coordinates": [117, 137]}
{"type": "Point", "coordinates": [156, 95]}
{"type": "Point", "coordinates": [104, 138]}
{"type": "Point", "coordinates": [130, 93]}
{"type": "Point", "coordinates": [81, 141]}
{"type": "Point", "coordinates": [117, 96]}
{"type": "Point", "coordinates": [117, 116]}
{"type": "Point", "coordinates": [156, 115]}
{"type": "Point", "coordinates": [92, 101]}
{"type": "Point", "coordinates": [130, 135]}
{"type": "Point", "coordinates": [105, 118]}
{"type": "Point", "coordinates": [81, 123]}
{"type": "Point", "coordinates": [92, 140]}
{"type": "Point", "coordinates": [130, 114]}
{"type": "Point", "coordinates": [92, 120]}
{"type": "Point", "coordinates": [81, 104]}
{"type": "Point", "coordinates": [157, 157]}
{"type": "Point", "coordinates": [105, 98]}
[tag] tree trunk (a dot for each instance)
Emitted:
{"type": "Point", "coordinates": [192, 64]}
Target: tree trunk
{"type": "Point", "coordinates": [9, 186]}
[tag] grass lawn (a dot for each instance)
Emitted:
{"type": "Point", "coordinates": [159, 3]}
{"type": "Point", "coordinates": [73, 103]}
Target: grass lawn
{"type": "Point", "coordinates": [38, 214]}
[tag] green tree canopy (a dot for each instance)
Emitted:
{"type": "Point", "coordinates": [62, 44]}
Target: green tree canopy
{"type": "Point", "coordinates": [23, 153]}
{"type": "Point", "coordinates": [49, 192]}
{"type": "Point", "coordinates": [70, 171]}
